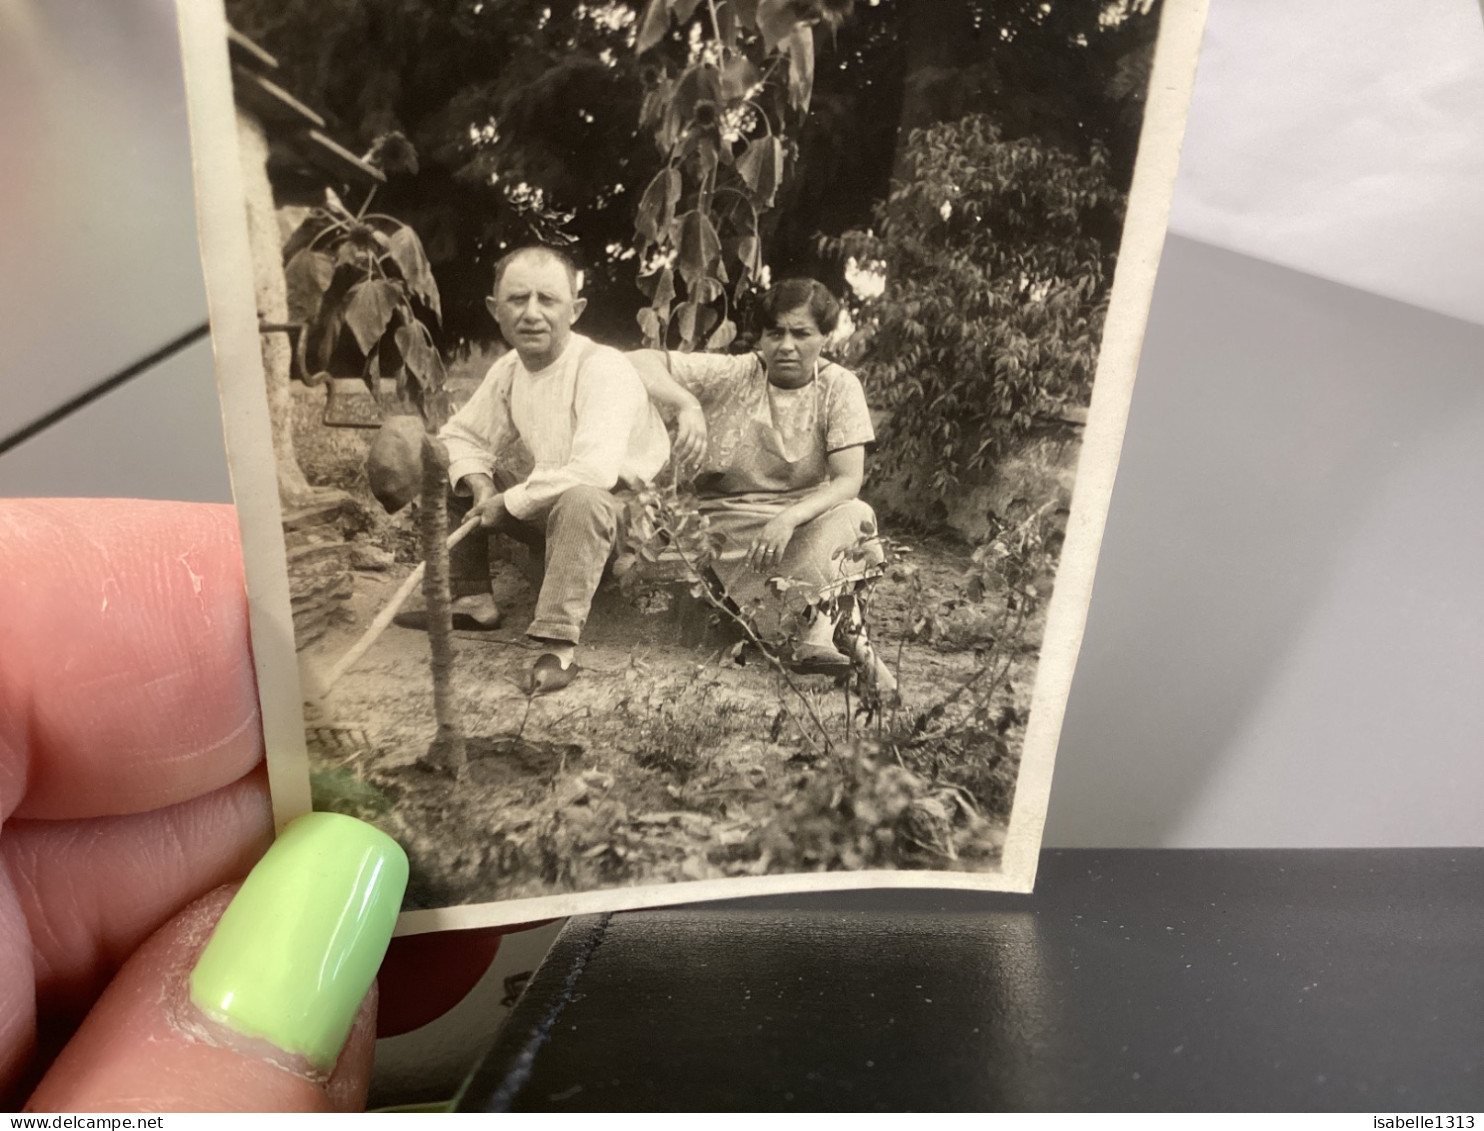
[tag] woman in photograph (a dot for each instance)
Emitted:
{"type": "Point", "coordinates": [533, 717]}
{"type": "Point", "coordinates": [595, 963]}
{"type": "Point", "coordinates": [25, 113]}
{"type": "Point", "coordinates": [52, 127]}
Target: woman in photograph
{"type": "Point", "coordinates": [777, 440]}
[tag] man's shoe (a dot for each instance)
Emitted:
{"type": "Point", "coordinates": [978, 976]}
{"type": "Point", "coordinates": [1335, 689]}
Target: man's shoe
{"type": "Point", "coordinates": [548, 675]}
{"type": "Point", "coordinates": [474, 613]}
{"type": "Point", "coordinates": [818, 659]}
{"type": "Point", "coordinates": [477, 612]}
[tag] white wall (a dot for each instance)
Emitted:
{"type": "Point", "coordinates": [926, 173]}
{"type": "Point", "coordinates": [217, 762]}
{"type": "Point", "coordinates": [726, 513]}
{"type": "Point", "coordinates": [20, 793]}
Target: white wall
{"type": "Point", "coordinates": [1286, 640]}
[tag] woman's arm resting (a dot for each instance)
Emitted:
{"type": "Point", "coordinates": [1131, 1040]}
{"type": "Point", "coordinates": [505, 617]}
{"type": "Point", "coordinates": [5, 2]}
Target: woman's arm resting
{"type": "Point", "coordinates": [674, 400]}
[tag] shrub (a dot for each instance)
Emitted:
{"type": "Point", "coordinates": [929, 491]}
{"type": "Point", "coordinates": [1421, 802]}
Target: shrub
{"type": "Point", "coordinates": [998, 257]}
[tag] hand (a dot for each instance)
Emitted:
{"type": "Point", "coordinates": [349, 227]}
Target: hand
{"type": "Point", "coordinates": [766, 551]}
{"type": "Point", "coordinates": [490, 510]}
{"type": "Point", "coordinates": [690, 438]}
{"type": "Point", "coordinates": [131, 790]}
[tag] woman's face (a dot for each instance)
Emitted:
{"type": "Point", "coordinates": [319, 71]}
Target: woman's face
{"type": "Point", "coordinates": [791, 348]}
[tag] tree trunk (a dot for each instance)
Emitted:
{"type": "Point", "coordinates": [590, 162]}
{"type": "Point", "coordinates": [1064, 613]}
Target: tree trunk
{"type": "Point", "coordinates": [447, 751]}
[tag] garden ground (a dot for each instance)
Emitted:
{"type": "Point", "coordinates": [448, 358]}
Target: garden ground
{"type": "Point", "coordinates": [675, 755]}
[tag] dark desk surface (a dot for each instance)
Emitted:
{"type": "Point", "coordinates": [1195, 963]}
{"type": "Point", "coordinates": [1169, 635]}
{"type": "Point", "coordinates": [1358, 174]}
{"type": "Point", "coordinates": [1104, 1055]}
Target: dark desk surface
{"type": "Point", "coordinates": [1130, 980]}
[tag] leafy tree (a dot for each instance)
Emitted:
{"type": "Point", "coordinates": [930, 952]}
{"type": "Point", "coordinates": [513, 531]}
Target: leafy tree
{"type": "Point", "coordinates": [361, 285]}
{"type": "Point", "coordinates": [997, 257]}
{"type": "Point", "coordinates": [363, 288]}
{"type": "Point", "coordinates": [725, 124]}
{"type": "Point", "coordinates": [526, 115]}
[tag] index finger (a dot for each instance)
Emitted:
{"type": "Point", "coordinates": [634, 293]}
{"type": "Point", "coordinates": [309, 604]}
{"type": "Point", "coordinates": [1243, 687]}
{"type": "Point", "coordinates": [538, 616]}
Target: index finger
{"type": "Point", "coordinates": [126, 679]}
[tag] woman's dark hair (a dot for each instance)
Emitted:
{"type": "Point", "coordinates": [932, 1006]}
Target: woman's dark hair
{"type": "Point", "coordinates": [788, 295]}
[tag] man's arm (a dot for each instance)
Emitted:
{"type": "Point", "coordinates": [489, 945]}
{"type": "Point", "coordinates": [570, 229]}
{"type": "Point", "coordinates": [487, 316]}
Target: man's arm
{"type": "Point", "coordinates": [474, 436]}
{"type": "Point", "coordinates": [608, 401]}
{"type": "Point", "coordinates": [477, 432]}
{"type": "Point", "coordinates": [653, 367]}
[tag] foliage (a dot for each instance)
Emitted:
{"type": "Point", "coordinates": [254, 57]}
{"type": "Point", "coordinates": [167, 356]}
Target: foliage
{"type": "Point", "coordinates": [1011, 571]}
{"type": "Point", "coordinates": [856, 811]}
{"type": "Point", "coordinates": [336, 789]}
{"type": "Point", "coordinates": [724, 125]}
{"type": "Point", "coordinates": [998, 257]}
{"type": "Point", "coordinates": [361, 285]}
{"type": "Point", "coordinates": [664, 524]}
{"type": "Point", "coordinates": [943, 768]}
{"type": "Point", "coordinates": [524, 115]}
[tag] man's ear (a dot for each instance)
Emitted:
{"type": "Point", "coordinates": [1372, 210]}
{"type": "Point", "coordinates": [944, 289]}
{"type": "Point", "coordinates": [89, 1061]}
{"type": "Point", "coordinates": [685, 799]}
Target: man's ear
{"type": "Point", "coordinates": [578, 306]}
{"type": "Point", "coordinates": [492, 306]}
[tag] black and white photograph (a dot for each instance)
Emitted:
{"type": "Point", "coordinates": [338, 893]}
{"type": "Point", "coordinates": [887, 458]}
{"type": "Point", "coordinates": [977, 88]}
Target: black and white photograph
{"type": "Point", "coordinates": [672, 438]}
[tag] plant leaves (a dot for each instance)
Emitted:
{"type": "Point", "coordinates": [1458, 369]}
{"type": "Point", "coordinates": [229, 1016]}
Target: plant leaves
{"type": "Point", "coordinates": [657, 206]}
{"type": "Point", "coordinates": [761, 166]}
{"type": "Point", "coordinates": [417, 351]}
{"type": "Point", "coordinates": [707, 155]}
{"type": "Point", "coordinates": [337, 206]}
{"type": "Point", "coordinates": [664, 293]}
{"type": "Point", "coordinates": [649, 323]}
{"type": "Point", "coordinates": [700, 83]}
{"type": "Point", "coordinates": [775, 19]}
{"type": "Point", "coordinates": [749, 251]}
{"type": "Point", "coordinates": [368, 309]}
{"type": "Point", "coordinates": [708, 290]}
{"type": "Point", "coordinates": [653, 217]}
{"type": "Point", "coordinates": [738, 76]}
{"type": "Point", "coordinates": [653, 26]}
{"type": "Point", "coordinates": [390, 364]}
{"type": "Point", "coordinates": [706, 318]}
{"type": "Point", "coordinates": [722, 336]}
{"type": "Point", "coordinates": [686, 314]}
{"type": "Point", "coordinates": [325, 330]}
{"type": "Point", "coordinates": [800, 50]}
{"type": "Point", "coordinates": [308, 276]}
{"type": "Point", "coordinates": [727, 29]}
{"type": "Point", "coordinates": [407, 252]}
{"type": "Point", "coordinates": [699, 247]}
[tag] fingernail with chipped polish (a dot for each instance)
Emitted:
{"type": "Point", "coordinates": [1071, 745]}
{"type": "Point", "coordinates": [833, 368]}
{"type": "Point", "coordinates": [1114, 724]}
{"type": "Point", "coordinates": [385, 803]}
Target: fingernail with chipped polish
{"type": "Point", "coordinates": [295, 953]}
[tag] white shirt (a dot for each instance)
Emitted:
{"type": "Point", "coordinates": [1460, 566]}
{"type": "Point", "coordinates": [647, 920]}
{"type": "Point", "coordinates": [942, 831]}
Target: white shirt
{"type": "Point", "coordinates": [586, 420]}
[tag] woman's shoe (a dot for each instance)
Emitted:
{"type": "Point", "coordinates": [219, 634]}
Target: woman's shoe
{"type": "Point", "coordinates": [818, 659]}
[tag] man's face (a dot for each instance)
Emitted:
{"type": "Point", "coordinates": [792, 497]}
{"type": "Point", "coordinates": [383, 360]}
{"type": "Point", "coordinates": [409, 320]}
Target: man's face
{"type": "Point", "coordinates": [536, 308]}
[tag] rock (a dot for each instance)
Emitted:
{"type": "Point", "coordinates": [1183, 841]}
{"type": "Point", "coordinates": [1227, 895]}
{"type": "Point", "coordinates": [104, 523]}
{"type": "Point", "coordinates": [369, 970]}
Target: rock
{"type": "Point", "coordinates": [968, 626]}
{"type": "Point", "coordinates": [363, 556]}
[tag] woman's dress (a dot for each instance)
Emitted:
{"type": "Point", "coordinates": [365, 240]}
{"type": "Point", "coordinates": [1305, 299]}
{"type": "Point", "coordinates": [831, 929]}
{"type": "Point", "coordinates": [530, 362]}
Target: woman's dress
{"type": "Point", "coordinates": [767, 448]}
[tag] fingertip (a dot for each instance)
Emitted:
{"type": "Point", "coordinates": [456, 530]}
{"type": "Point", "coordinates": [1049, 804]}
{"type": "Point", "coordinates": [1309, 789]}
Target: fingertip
{"type": "Point", "coordinates": [127, 675]}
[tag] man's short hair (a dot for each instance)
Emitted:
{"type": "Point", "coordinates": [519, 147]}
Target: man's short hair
{"type": "Point", "coordinates": [808, 295]}
{"type": "Point", "coordinates": [569, 265]}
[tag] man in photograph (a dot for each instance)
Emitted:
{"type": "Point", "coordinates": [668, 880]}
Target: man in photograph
{"type": "Point", "coordinates": [590, 429]}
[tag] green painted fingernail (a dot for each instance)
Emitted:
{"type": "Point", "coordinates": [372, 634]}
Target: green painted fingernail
{"type": "Point", "coordinates": [297, 948]}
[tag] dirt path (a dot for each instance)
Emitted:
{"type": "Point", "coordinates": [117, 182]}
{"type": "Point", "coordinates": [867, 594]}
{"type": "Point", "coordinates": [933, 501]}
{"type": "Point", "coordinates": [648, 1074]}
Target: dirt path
{"type": "Point", "coordinates": [665, 760]}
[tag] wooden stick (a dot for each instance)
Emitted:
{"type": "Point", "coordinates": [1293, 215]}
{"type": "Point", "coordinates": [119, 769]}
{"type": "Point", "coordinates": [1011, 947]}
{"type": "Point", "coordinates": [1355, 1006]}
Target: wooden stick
{"type": "Point", "coordinates": [384, 618]}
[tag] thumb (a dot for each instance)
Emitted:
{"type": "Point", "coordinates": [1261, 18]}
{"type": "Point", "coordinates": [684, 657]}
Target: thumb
{"type": "Point", "coordinates": [262, 1000]}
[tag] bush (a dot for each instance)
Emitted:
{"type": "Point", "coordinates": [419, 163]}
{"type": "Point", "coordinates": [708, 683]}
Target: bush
{"type": "Point", "coordinates": [998, 257]}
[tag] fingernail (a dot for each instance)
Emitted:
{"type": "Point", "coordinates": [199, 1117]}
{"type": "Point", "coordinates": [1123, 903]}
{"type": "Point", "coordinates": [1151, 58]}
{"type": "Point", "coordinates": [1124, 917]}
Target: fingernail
{"type": "Point", "coordinates": [297, 948]}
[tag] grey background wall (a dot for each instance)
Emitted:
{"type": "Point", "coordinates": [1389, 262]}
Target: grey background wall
{"type": "Point", "coordinates": [1286, 642]}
